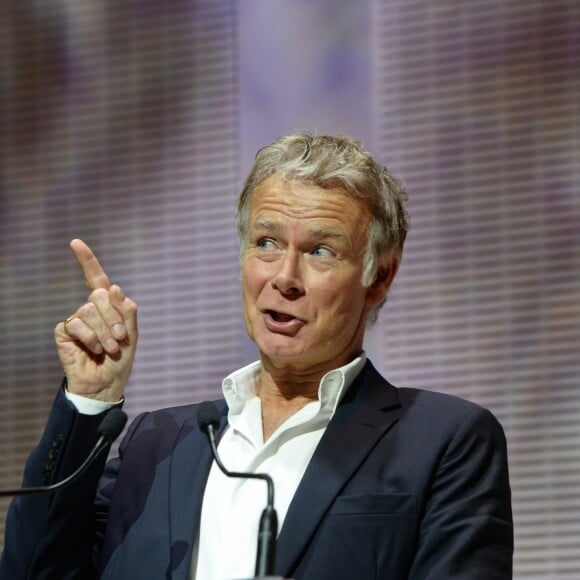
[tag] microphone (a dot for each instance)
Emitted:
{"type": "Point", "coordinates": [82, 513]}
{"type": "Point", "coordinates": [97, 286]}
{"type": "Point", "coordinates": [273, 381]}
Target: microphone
{"type": "Point", "coordinates": [109, 429]}
{"type": "Point", "coordinates": [208, 420]}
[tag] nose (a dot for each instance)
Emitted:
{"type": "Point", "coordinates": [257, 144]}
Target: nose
{"type": "Point", "coordinates": [288, 278]}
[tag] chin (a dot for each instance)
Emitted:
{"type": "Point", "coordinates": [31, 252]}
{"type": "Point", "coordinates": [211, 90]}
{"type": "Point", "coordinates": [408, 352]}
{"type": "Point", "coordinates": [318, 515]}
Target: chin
{"type": "Point", "coordinates": [282, 356]}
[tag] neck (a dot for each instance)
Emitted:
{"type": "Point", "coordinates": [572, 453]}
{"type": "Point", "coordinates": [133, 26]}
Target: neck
{"type": "Point", "coordinates": [283, 391]}
{"type": "Point", "coordinates": [280, 399]}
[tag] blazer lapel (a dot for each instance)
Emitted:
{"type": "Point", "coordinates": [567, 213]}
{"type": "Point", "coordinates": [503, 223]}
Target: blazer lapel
{"type": "Point", "coordinates": [366, 413]}
{"type": "Point", "coordinates": [190, 465]}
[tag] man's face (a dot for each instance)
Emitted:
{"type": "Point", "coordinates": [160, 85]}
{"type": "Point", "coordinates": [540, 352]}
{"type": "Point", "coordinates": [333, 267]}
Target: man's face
{"type": "Point", "coordinates": [304, 303]}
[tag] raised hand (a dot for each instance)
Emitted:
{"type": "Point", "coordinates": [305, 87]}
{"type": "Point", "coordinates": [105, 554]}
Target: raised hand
{"type": "Point", "coordinates": [96, 345]}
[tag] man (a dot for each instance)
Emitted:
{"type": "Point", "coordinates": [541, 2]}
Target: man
{"type": "Point", "coordinates": [371, 481]}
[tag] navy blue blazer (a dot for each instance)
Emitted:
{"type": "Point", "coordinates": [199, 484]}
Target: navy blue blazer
{"type": "Point", "coordinates": [404, 483]}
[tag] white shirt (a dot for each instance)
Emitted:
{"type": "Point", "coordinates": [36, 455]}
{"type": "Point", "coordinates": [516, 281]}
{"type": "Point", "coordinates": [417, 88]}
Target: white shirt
{"type": "Point", "coordinates": [227, 539]}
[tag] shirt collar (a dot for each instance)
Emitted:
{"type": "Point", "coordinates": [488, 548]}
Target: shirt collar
{"type": "Point", "coordinates": [241, 385]}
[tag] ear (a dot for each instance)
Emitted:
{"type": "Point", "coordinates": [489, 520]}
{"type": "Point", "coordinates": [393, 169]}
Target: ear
{"type": "Point", "coordinates": [377, 291]}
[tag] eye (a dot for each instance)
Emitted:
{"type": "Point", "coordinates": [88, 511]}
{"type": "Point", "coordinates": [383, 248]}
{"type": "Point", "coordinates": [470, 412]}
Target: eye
{"type": "Point", "coordinates": [265, 244]}
{"type": "Point", "coordinates": [322, 252]}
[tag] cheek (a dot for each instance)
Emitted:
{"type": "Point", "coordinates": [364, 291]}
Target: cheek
{"type": "Point", "coordinates": [253, 282]}
{"type": "Point", "coordinates": [339, 307]}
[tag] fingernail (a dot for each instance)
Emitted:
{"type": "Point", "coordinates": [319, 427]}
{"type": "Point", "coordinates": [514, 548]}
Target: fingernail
{"type": "Point", "coordinates": [111, 345]}
{"type": "Point", "coordinates": [118, 330]}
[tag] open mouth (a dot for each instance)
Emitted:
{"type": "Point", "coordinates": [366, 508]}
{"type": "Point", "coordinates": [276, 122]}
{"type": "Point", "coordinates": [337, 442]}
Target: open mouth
{"type": "Point", "coordinates": [282, 323]}
{"type": "Point", "coordinates": [279, 316]}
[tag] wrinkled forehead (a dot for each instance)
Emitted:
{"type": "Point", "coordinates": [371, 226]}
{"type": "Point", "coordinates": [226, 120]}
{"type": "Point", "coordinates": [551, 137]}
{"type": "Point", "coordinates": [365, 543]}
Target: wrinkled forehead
{"type": "Point", "coordinates": [280, 206]}
{"type": "Point", "coordinates": [303, 198]}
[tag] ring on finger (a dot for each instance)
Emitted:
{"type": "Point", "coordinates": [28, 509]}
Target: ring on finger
{"type": "Point", "coordinates": [66, 321]}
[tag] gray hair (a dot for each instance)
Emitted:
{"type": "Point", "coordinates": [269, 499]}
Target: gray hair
{"type": "Point", "coordinates": [333, 162]}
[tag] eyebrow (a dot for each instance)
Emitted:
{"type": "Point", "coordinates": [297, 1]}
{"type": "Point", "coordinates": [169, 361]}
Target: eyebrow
{"type": "Point", "coordinates": [326, 233]}
{"type": "Point", "coordinates": [265, 224]}
{"type": "Point", "coordinates": [274, 226]}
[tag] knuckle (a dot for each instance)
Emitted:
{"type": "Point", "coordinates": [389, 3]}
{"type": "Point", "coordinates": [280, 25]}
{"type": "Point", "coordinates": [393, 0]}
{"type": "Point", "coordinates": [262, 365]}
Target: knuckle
{"type": "Point", "coordinates": [87, 310]}
{"type": "Point", "coordinates": [99, 295]}
{"type": "Point", "coordinates": [92, 342]}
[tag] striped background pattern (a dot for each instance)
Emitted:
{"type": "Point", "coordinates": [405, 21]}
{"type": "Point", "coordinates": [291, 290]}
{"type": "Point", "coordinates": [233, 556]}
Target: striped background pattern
{"type": "Point", "coordinates": [120, 123]}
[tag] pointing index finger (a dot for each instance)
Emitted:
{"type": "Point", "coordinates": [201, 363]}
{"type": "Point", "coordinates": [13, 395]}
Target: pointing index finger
{"type": "Point", "coordinates": [95, 276]}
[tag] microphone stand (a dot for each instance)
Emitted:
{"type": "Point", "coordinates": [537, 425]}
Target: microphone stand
{"type": "Point", "coordinates": [268, 529]}
{"type": "Point", "coordinates": [208, 420]}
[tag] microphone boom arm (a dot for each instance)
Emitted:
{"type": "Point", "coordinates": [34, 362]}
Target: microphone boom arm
{"type": "Point", "coordinates": [109, 430]}
{"type": "Point", "coordinates": [262, 476]}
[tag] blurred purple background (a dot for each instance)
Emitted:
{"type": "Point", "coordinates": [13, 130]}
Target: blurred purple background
{"type": "Point", "coordinates": [132, 125]}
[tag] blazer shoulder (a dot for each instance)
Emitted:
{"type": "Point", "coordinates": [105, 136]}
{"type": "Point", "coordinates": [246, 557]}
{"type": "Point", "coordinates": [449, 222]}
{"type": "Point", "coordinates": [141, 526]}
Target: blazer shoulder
{"type": "Point", "coordinates": [432, 407]}
{"type": "Point", "coordinates": [450, 412]}
{"type": "Point", "coordinates": [429, 397]}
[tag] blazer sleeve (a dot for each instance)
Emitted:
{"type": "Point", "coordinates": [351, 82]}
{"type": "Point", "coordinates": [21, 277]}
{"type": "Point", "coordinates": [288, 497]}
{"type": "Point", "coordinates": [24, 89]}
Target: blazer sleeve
{"type": "Point", "coordinates": [467, 529]}
{"type": "Point", "coordinates": [52, 536]}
